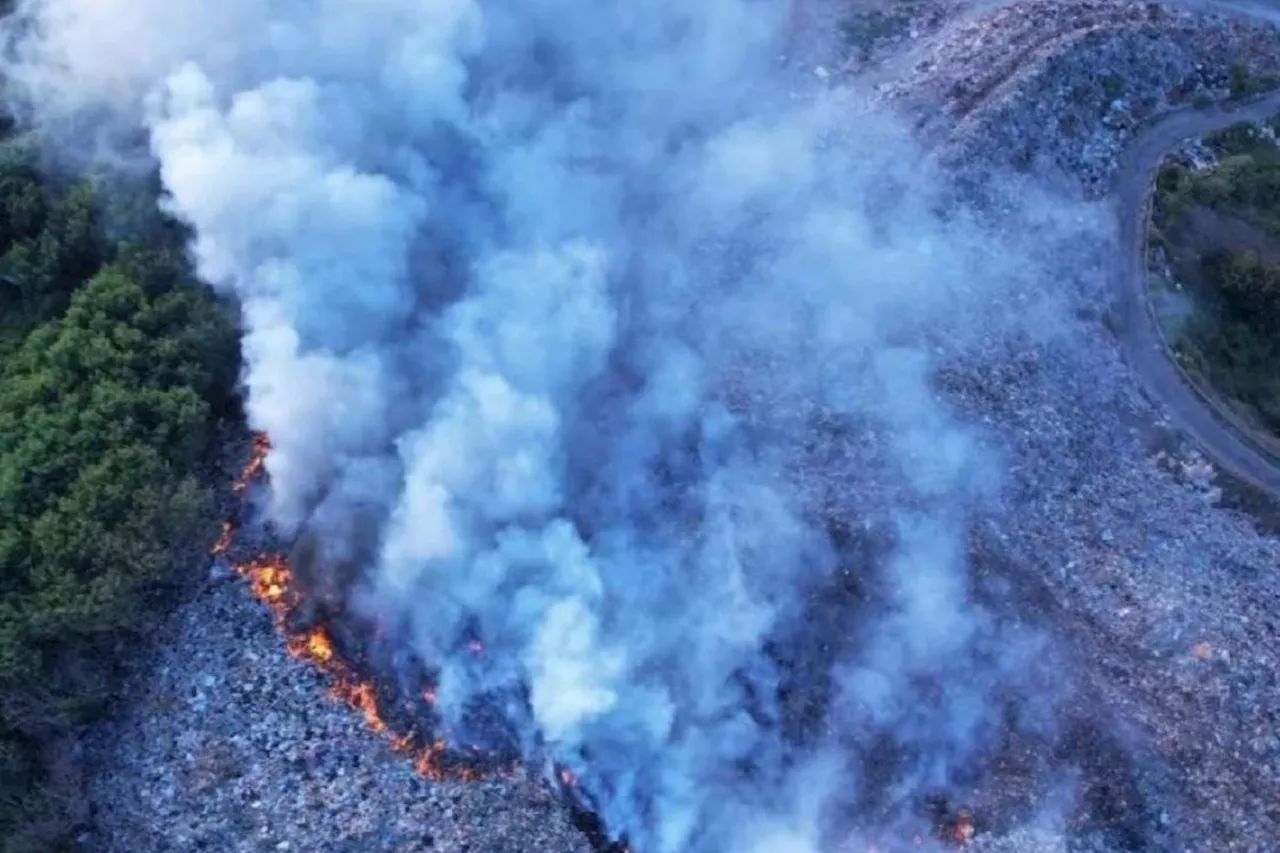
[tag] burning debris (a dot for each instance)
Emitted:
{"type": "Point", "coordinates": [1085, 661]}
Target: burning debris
{"type": "Point", "coordinates": [271, 582]}
{"type": "Point", "coordinates": [261, 446]}
{"type": "Point", "coordinates": [959, 828]}
{"type": "Point", "coordinates": [953, 828]}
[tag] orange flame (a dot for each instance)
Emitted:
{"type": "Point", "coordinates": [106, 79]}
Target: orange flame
{"type": "Point", "coordinates": [428, 762]}
{"type": "Point", "coordinates": [962, 830]}
{"type": "Point", "coordinates": [269, 577]}
{"type": "Point", "coordinates": [260, 447]}
{"type": "Point", "coordinates": [314, 646]}
{"type": "Point", "coordinates": [360, 695]}
{"type": "Point", "coordinates": [224, 539]}
{"type": "Point", "coordinates": [270, 581]}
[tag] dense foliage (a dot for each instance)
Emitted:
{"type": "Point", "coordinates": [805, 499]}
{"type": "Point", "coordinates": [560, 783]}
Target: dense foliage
{"type": "Point", "coordinates": [1239, 344]}
{"type": "Point", "coordinates": [1233, 338]}
{"type": "Point", "coordinates": [113, 367]}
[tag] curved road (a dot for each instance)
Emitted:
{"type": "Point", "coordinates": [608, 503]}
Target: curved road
{"type": "Point", "coordinates": [1224, 439]}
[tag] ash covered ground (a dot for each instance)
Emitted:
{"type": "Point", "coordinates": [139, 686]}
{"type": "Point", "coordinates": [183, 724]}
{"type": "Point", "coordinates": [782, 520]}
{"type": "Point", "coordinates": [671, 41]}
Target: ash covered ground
{"type": "Point", "coordinates": [1152, 591]}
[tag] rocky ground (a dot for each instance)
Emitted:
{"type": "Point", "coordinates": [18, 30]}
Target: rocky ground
{"type": "Point", "coordinates": [1113, 533]}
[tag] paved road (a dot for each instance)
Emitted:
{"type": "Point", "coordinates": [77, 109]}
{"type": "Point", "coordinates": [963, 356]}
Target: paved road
{"type": "Point", "coordinates": [1229, 444]}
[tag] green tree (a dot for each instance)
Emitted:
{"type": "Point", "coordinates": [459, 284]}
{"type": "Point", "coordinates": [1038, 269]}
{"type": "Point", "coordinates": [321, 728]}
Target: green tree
{"type": "Point", "coordinates": [115, 363]}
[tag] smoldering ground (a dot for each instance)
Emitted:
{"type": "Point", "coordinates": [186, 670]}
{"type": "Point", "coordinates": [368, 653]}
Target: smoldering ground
{"type": "Point", "coordinates": [579, 335]}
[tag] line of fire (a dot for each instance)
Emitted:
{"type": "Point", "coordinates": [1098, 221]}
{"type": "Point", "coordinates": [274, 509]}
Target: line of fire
{"type": "Point", "coordinates": [407, 718]}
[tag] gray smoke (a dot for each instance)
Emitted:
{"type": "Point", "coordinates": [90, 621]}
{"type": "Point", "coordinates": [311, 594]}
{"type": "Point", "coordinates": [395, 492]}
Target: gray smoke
{"type": "Point", "coordinates": [608, 330]}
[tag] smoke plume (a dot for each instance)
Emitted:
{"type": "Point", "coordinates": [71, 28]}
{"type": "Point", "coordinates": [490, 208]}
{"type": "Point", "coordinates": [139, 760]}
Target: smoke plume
{"type": "Point", "coordinates": [591, 335]}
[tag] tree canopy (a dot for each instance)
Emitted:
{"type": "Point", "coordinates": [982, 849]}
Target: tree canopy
{"type": "Point", "coordinates": [114, 365]}
{"type": "Point", "coordinates": [1233, 338]}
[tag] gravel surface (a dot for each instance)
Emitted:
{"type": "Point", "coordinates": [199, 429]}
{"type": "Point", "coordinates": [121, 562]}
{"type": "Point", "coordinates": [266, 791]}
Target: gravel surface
{"type": "Point", "coordinates": [1112, 532]}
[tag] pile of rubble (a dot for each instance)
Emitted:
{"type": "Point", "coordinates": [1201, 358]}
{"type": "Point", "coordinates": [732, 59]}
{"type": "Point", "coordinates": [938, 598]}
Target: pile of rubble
{"type": "Point", "coordinates": [1064, 85]}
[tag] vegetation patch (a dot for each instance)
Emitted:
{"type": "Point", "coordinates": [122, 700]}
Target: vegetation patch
{"type": "Point", "coordinates": [114, 366]}
{"type": "Point", "coordinates": [1112, 87]}
{"type": "Point", "coordinates": [1220, 230]}
{"type": "Point", "coordinates": [1244, 84]}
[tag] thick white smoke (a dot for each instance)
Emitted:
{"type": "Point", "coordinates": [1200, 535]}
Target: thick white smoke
{"type": "Point", "coordinates": [604, 327]}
